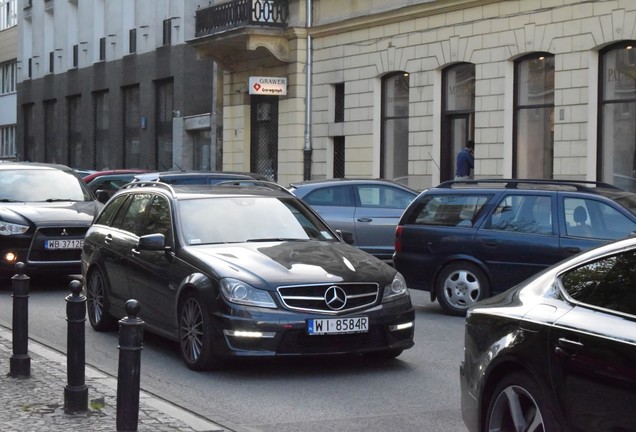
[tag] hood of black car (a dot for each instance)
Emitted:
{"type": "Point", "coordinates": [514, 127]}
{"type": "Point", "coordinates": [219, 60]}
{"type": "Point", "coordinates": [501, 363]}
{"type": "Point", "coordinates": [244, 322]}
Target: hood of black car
{"type": "Point", "coordinates": [292, 262]}
{"type": "Point", "coordinates": [80, 213]}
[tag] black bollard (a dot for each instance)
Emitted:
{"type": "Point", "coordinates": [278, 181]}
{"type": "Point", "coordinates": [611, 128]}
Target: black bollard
{"type": "Point", "coordinates": [131, 335]}
{"type": "Point", "coordinates": [76, 392]}
{"type": "Point", "coordinates": [20, 363]}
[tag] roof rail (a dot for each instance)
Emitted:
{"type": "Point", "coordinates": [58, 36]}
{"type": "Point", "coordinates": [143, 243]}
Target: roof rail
{"type": "Point", "coordinates": [149, 183]}
{"type": "Point", "coordinates": [253, 183]}
{"type": "Point", "coordinates": [579, 185]}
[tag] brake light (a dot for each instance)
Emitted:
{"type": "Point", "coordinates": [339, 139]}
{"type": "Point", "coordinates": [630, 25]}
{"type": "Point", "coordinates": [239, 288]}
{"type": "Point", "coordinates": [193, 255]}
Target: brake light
{"type": "Point", "coordinates": [398, 238]}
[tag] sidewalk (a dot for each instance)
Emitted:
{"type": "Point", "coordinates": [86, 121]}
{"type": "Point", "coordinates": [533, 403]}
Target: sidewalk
{"type": "Point", "coordinates": [37, 403]}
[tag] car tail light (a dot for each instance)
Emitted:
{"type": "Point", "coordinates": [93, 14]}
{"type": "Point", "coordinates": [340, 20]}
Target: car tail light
{"type": "Point", "coordinates": [398, 238]}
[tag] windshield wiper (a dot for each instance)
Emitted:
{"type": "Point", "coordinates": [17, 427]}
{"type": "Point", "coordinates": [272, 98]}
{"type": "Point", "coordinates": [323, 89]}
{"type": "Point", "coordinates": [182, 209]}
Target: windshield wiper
{"type": "Point", "coordinates": [9, 200]}
{"type": "Point", "coordinates": [58, 199]}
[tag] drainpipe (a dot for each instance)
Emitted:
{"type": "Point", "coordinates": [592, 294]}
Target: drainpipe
{"type": "Point", "coordinates": [308, 149]}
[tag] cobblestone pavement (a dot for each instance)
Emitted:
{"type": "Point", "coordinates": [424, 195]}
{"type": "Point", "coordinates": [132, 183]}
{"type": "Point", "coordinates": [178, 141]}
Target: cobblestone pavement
{"type": "Point", "coordinates": [36, 403]}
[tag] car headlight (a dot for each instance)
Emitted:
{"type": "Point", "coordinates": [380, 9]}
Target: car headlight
{"type": "Point", "coordinates": [7, 228]}
{"type": "Point", "coordinates": [396, 289]}
{"type": "Point", "coordinates": [239, 292]}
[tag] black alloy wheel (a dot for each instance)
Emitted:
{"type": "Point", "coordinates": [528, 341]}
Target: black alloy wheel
{"type": "Point", "coordinates": [195, 335]}
{"type": "Point", "coordinates": [96, 304]}
{"type": "Point", "coordinates": [518, 404]}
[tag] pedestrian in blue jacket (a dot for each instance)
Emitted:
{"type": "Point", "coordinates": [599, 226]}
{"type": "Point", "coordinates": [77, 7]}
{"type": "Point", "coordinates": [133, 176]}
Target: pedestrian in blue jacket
{"type": "Point", "coordinates": [465, 162]}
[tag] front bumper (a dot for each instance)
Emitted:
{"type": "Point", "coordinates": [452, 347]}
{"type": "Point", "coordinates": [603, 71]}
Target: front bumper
{"type": "Point", "coordinates": [261, 332]}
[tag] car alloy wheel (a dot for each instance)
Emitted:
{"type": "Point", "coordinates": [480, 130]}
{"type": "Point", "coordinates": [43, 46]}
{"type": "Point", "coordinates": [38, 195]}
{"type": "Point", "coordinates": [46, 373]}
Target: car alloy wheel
{"type": "Point", "coordinates": [519, 405]}
{"type": "Point", "coordinates": [195, 337]}
{"type": "Point", "coordinates": [96, 289]}
{"type": "Point", "coordinates": [459, 286]}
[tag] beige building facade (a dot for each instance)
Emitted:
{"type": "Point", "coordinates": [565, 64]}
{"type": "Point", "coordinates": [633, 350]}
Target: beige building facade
{"type": "Point", "coordinates": [394, 89]}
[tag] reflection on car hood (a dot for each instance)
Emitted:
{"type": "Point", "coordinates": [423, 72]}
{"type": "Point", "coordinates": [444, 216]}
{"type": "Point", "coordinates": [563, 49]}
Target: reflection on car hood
{"type": "Point", "coordinates": [293, 262]}
{"type": "Point", "coordinates": [79, 213]}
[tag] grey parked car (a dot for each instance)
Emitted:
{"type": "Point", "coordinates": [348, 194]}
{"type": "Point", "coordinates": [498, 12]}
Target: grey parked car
{"type": "Point", "coordinates": [368, 209]}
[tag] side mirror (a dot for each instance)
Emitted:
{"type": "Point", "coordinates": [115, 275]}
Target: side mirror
{"type": "Point", "coordinates": [345, 236]}
{"type": "Point", "coordinates": [152, 242]}
{"type": "Point", "coordinates": [102, 196]}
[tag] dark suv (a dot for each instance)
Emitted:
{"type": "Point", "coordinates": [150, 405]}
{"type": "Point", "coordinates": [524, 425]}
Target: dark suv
{"type": "Point", "coordinates": [235, 271]}
{"type": "Point", "coordinates": [466, 240]}
{"type": "Point", "coordinates": [45, 210]}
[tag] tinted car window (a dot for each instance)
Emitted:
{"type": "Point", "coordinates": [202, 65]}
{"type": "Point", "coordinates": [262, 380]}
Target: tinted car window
{"type": "Point", "coordinates": [380, 196]}
{"type": "Point", "coordinates": [159, 221]}
{"type": "Point", "coordinates": [133, 217]}
{"type": "Point", "coordinates": [330, 196]}
{"type": "Point", "coordinates": [608, 283]}
{"type": "Point", "coordinates": [523, 213]}
{"type": "Point", "coordinates": [449, 210]}
{"type": "Point", "coordinates": [594, 219]}
{"type": "Point", "coordinates": [107, 216]}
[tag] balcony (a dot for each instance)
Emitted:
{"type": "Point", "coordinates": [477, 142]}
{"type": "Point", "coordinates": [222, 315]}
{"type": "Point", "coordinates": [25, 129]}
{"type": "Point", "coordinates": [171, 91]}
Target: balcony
{"type": "Point", "coordinates": [241, 30]}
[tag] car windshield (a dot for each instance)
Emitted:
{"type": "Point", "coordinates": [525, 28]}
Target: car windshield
{"type": "Point", "coordinates": [34, 185]}
{"type": "Point", "coordinates": [243, 219]}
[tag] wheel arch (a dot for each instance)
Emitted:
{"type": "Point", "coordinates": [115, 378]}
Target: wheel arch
{"type": "Point", "coordinates": [203, 285]}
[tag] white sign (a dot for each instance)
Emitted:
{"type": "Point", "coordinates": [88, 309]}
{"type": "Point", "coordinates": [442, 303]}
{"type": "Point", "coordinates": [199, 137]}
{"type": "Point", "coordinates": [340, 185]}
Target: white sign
{"type": "Point", "coordinates": [273, 86]}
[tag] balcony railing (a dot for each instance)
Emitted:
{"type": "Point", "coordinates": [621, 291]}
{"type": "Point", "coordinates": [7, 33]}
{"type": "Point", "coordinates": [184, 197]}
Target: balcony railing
{"type": "Point", "coordinates": [241, 13]}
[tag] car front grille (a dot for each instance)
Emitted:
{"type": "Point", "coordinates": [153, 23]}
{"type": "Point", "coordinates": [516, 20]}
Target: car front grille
{"type": "Point", "coordinates": [38, 253]}
{"type": "Point", "coordinates": [313, 298]}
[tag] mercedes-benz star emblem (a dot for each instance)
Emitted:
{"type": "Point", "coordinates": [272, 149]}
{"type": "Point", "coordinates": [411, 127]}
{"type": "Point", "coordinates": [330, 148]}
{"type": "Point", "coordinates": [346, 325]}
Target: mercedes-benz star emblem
{"type": "Point", "coordinates": [335, 297]}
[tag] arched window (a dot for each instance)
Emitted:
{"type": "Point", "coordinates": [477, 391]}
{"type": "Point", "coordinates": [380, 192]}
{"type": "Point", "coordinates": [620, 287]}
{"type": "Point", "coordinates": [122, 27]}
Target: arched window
{"type": "Point", "coordinates": [458, 116]}
{"type": "Point", "coordinates": [394, 147]}
{"type": "Point", "coordinates": [617, 131]}
{"type": "Point", "coordinates": [534, 116]}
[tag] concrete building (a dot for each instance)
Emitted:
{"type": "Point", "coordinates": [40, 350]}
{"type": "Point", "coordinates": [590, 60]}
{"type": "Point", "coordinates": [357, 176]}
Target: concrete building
{"type": "Point", "coordinates": [395, 88]}
{"type": "Point", "coordinates": [8, 77]}
{"type": "Point", "coordinates": [326, 88]}
{"type": "Point", "coordinates": [112, 83]}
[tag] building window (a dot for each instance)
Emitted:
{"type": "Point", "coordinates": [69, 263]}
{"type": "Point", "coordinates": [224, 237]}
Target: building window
{"type": "Point", "coordinates": [9, 14]}
{"type": "Point", "coordinates": [105, 157]}
{"type": "Point", "coordinates": [51, 61]}
{"type": "Point", "coordinates": [75, 149]}
{"type": "Point", "coordinates": [30, 151]}
{"type": "Point", "coordinates": [167, 31]}
{"type": "Point", "coordinates": [7, 142]}
{"type": "Point", "coordinates": [339, 102]}
{"type": "Point", "coordinates": [338, 157]}
{"type": "Point", "coordinates": [534, 117]}
{"type": "Point", "coordinates": [617, 131]}
{"type": "Point", "coordinates": [132, 128]}
{"type": "Point", "coordinates": [51, 149]}
{"type": "Point", "coordinates": [132, 41]}
{"type": "Point", "coordinates": [164, 103]}
{"type": "Point", "coordinates": [30, 68]}
{"type": "Point", "coordinates": [395, 126]}
{"type": "Point", "coordinates": [102, 49]}
{"type": "Point", "coordinates": [8, 76]}
{"type": "Point", "coordinates": [458, 115]}
{"type": "Point", "coordinates": [75, 55]}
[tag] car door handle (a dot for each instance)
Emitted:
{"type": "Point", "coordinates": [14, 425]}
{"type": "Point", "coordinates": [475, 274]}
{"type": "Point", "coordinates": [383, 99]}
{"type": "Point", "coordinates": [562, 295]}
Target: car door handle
{"type": "Point", "coordinates": [135, 252]}
{"type": "Point", "coordinates": [108, 239]}
{"type": "Point", "coordinates": [568, 347]}
{"type": "Point", "coordinates": [573, 250]}
{"type": "Point", "coordinates": [365, 219]}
